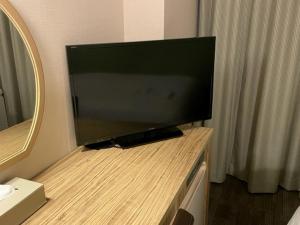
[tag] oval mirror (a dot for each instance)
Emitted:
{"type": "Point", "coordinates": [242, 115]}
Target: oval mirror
{"type": "Point", "coordinates": [21, 87]}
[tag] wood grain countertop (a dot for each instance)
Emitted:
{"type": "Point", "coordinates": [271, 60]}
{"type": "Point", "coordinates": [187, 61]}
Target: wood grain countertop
{"type": "Point", "coordinates": [141, 185]}
{"type": "Point", "coordinates": [12, 139]}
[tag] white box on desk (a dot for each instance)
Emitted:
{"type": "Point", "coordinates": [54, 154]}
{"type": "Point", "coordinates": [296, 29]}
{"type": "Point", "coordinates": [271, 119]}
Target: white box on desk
{"type": "Point", "coordinates": [27, 198]}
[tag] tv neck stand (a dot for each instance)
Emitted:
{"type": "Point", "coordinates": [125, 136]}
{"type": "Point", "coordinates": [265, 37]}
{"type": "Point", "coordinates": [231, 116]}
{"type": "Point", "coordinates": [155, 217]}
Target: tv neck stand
{"type": "Point", "coordinates": [137, 139]}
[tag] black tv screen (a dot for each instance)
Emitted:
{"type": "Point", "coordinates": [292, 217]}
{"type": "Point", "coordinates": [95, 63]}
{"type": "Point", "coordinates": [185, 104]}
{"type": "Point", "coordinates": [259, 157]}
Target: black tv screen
{"type": "Point", "coordinates": [125, 88]}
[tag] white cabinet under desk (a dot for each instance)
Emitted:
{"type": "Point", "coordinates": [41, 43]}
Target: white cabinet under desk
{"type": "Point", "coordinates": [141, 185]}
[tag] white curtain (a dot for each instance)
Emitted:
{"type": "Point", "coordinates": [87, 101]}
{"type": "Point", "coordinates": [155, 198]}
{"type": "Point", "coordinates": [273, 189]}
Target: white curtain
{"type": "Point", "coordinates": [256, 110]}
{"type": "Point", "coordinates": [16, 76]}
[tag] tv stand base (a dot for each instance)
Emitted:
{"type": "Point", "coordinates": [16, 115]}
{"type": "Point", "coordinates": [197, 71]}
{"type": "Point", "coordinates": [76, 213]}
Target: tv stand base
{"type": "Point", "coordinates": [133, 140]}
{"type": "Point", "coordinates": [147, 137]}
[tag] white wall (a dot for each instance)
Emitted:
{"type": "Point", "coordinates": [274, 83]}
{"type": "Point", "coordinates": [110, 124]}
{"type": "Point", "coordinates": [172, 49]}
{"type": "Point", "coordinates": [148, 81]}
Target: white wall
{"type": "Point", "coordinates": [143, 20]}
{"type": "Point", "coordinates": [181, 18]}
{"type": "Point", "coordinates": [54, 24]}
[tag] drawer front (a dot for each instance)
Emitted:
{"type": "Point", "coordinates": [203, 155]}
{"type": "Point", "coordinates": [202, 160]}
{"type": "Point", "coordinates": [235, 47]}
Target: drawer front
{"type": "Point", "coordinates": [196, 197]}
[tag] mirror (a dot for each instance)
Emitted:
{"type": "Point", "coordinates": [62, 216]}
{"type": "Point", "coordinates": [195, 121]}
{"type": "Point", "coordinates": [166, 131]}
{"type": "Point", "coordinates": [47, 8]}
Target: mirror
{"type": "Point", "coordinates": [21, 89]}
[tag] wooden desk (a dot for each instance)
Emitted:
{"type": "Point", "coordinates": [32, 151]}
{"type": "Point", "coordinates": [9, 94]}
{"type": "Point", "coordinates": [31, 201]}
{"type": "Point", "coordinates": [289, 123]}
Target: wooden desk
{"type": "Point", "coordinates": [142, 185]}
{"type": "Point", "coordinates": [13, 139]}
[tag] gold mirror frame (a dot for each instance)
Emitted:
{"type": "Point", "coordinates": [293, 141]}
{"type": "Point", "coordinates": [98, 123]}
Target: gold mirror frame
{"type": "Point", "coordinates": [20, 25]}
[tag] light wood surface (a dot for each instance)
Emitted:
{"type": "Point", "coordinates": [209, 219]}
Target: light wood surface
{"type": "Point", "coordinates": [142, 185]}
{"type": "Point", "coordinates": [13, 139]}
{"type": "Point", "coordinates": [33, 53]}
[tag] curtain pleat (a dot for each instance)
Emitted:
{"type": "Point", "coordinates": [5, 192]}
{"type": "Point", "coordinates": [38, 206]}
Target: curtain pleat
{"type": "Point", "coordinates": [256, 91]}
{"type": "Point", "coordinates": [16, 74]}
{"type": "Point", "coordinates": [8, 74]}
{"type": "Point", "coordinates": [24, 74]}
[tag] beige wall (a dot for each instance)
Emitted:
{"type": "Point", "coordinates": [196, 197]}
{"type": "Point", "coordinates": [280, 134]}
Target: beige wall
{"type": "Point", "coordinates": [143, 20]}
{"type": "Point", "coordinates": [54, 24]}
{"type": "Point", "coordinates": [180, 18]}
{"type": "Point", "coordinates": [159, 19]}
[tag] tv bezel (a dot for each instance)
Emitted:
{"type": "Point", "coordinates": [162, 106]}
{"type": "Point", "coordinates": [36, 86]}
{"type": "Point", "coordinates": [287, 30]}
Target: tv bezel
{"type": "Point", "coordinates": [123, 134]}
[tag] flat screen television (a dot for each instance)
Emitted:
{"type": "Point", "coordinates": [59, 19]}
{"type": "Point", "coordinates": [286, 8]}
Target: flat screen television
{"type": "Point", "coordinates": [139, 89]}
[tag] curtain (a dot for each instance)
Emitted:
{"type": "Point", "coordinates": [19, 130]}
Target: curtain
{"type": "Point", "coordinates": [3, 116]}
{"type": "Point", "coordinates": [256, 108]}
{"type": "Point", "coordinates": [16, 75]}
